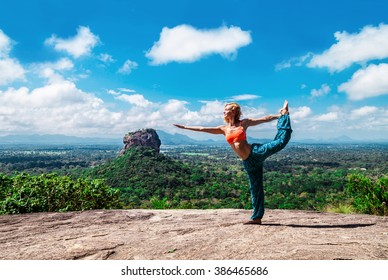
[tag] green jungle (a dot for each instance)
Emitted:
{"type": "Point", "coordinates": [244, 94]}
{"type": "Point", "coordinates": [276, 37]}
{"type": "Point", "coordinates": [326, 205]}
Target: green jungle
{"type": "Point", "coordinates": [343, 178]}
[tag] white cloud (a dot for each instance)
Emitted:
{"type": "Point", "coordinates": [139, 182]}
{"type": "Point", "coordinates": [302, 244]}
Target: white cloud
{"type": "Point", "coordinates": [79, 45]}
{"type": "Point", "coordinates": [119, 91]}
{"type": "Point", "coordinates": [370, 43]}
{"type": "Point", "coordinates": [10, 70]}
{"type": "Point", "coordinates": [369, 82]}
{"type": "Point", "coordinates": [283, 65]}
{"type": "Point", "coordinates": [62, 64]}
{"type": "Point", "coordinates": [185, 43]}
{"type": "Point", "coordinates": [328, 117]}
{"type": "Point", "coordinates": [300, 113]}
{"type": "Point", "coordinates": [212, 108]}
{"type": "Point", "coordinates": [135, 99]}
{"type": "Point", "coordinates": [52, 71]}
{"type": "Point", "coordinates": [210, 113]}
{"type": "Point", "coordinates": [297, 61]}
{"type": "Point", "coordinates": [365, 111]}
{"type": "Point", "coordinates": [322, 91]}
{"type": "Point", "coordinates": [113, 92]}
{"type": "Point", "coordinates": [106, 58]}
{"type": "Point", "coordinates": [128, 66]}
{"type": "Point", "coordinates": [126, 90]}
{"type": "Point", "coordinates": [243, 97]}
{"type": "Point", "coordinates": [59, 108]}
{"type": "Point", "coordinates": [174, 106]}
{"type": "Point", "coordinates": [5, 45]}
{"type": "Point", "coordinates": [62, 108]}
{"type": "Point", "coordinates": [364, 123]}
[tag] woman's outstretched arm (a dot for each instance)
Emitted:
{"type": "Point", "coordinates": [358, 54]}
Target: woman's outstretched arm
{"type": "Point", "coordinates": [256, 121]}
{"type": "Point", "coordinates": [212, 130]}
{"type": "Point", "coordinates": [269, 118]}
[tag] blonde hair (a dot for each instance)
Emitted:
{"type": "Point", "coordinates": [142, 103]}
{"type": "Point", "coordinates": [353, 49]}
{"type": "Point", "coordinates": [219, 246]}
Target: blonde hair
{"type": "Point", "coordinates": [235, 107]}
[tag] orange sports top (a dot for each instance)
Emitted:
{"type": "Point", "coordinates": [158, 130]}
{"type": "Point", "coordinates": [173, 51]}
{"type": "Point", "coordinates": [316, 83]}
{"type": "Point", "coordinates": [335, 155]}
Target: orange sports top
{"type": "Point", "coordinates": [238, 135]}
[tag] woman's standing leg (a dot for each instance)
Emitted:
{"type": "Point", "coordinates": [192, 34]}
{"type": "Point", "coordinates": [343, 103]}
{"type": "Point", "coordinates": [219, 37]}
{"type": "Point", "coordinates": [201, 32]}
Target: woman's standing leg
{"type": "Point", "coordinates": [254, 163]}
{"type": "Point", "coordinates": [254, 169]}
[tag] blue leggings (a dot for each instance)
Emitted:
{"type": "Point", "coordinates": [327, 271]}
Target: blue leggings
{"type": "Point", "coordinates": [254, 163]}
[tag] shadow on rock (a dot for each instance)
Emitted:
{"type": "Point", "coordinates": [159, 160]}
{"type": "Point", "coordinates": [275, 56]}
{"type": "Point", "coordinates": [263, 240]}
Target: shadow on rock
{"type": "Point", "coordinates": [321, 226]}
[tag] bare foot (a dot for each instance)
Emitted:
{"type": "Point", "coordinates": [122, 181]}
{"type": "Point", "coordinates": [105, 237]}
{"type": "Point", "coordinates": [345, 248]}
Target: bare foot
{"type": "Point", "coordinates": [253, 222]}
{"type": "Point", "coordinates": [284, 110]}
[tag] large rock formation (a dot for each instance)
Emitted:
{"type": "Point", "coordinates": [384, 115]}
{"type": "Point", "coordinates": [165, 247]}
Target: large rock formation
{"type": "Point", "coordinates": [220, 234]}
{"type": "Point", "coordinates": [144, 137]}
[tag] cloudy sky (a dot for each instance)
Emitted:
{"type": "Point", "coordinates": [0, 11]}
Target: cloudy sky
{"type": "Point", "coordinates": [102, 68]}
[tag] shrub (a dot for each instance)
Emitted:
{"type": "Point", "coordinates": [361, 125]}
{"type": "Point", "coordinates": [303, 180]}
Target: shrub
{"type": "Point", "coordinates": [157, 203]}
{"type": "Point", "coordinates": [342, 208]}
{"type": "Point", "coordinates": [369, 196]}
{"type": "Point", "coordinates": [24, 193]}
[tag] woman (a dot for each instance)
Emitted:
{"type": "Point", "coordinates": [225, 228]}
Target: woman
{"type": "Point", "coordinates": [253, 156]}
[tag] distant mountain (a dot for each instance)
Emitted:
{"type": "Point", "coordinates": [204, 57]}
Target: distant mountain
{"type": "Point", "coordinates": [166, 139]}
{"type": "Point", "coordinates": [339, 139]}
{"type": "Point", "coordinates": [343, 139]}
{"type": "Point", "coordinates": [180, 139]}
{"type": "Point", "coordinates": [56, 139]}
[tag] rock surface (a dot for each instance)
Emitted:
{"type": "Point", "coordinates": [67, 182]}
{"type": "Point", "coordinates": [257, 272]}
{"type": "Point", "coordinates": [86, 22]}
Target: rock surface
{"type": "Point", "coordinates": [145, 138]}
{"type": "Point", "coordinates": [192, 235]}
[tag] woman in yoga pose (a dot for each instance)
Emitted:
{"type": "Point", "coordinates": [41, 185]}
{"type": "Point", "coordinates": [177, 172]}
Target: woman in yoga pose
{"type": "Point", "coordinates": [252, 155]}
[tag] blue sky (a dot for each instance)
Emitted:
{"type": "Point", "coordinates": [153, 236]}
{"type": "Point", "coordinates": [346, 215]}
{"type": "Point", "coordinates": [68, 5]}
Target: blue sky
{"type": "Point", "coordinates": [103, 68]}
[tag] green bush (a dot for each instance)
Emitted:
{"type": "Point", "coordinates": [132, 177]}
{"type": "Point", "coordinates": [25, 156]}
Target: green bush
{"type": "Point", "coordinates": [369, 196]}
{"type": "Point", "coordinates": [24, 193]}
{"type": "Point", "coordinates": [160, 203]}
{"type": "Point", "coordinates": [342, 208]}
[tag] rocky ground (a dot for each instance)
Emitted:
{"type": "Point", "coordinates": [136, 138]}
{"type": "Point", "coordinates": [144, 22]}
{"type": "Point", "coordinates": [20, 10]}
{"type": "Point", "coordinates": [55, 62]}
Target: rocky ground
{"type": "Point", "coordinates": [192, 235]}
